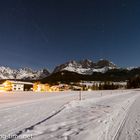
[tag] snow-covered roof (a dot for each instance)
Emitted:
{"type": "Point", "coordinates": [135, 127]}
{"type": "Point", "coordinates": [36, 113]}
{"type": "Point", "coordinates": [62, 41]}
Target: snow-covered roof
{"type": "Point", "coordinates": [21, 82]}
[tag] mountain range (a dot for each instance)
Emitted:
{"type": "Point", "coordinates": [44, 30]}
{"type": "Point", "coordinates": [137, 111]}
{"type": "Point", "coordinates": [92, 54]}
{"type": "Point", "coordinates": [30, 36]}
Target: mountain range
{"type": "Point", "coordinates": [86, 67]}
{"type": "Point", "coordinates": [22, 73]}
{"type": "Point", "coordinates": [72, 71]}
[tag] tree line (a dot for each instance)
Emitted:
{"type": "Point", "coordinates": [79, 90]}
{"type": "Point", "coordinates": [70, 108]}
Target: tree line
{"type": "Point", "coordinates": [133, 82]}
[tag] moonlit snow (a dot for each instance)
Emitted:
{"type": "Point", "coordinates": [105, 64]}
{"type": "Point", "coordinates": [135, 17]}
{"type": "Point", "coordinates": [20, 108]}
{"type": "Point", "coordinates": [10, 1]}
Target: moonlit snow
{"type": "Point", "coordinates": [61, 116]}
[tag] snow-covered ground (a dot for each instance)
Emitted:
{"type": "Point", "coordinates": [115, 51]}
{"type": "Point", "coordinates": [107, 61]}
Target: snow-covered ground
{"type": "Point", "coordinates": [61, 116]}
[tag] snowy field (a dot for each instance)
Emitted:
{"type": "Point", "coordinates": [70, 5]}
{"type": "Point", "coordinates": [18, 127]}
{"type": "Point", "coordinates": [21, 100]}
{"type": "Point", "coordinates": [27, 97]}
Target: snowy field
{"type": "Point", "coordinates": [101, 115]}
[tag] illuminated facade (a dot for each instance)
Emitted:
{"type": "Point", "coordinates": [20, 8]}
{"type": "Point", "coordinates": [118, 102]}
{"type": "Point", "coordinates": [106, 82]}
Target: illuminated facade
{"type": "Point", "coordinates": [10, 85]}
{"type": "Point", "coordinates": [38, 87]}
{"type": "Point", "coordinates": [6, 86]}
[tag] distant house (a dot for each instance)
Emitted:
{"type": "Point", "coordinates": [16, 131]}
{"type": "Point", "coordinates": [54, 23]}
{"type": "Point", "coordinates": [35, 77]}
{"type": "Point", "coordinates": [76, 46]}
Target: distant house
{"type": "Point", "coordinates": [21, 86]}
{"type": "Point", "coordinates": [76, 88]}
{"type": "Point", "coordinates": [63, 87]}
{"type": "Point", "coordinates": [37, 87]}
{"type": "Point", "coordinates": [10, 85]}
{"type": "Point", "coordinates": [6, 86]}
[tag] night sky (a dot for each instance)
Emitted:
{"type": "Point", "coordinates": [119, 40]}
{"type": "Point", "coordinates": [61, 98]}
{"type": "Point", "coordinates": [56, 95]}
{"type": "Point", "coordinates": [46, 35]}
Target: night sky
{"type": "Point", "coordinates": [45, 33]}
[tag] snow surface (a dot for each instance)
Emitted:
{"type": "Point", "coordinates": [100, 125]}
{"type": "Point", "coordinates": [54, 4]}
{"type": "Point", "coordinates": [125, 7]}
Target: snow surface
{"type": "Point", "coordinates": [61, 116]}
{"type": "Point", "coordinates": [130, 129]}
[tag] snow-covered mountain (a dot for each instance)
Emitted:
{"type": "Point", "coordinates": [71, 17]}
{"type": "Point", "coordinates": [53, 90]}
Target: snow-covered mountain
{"type": "Point", "coordinates": [22, 73]}
{"type": "Point", "coordinates": [86, 66]}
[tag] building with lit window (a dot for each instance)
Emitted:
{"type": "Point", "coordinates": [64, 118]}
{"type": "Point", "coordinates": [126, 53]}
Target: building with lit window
{"type": "Point", "coordinates": [10, 85]}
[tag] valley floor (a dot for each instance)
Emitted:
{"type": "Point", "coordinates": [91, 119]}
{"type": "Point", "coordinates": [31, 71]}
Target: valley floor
{"type": "Point", "coordinates": [101, 115]}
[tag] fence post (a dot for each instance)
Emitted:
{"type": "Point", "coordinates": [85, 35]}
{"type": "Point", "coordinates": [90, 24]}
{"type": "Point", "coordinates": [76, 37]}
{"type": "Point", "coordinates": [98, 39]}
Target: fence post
{"type": "Point", "coordinates": [80, 95]}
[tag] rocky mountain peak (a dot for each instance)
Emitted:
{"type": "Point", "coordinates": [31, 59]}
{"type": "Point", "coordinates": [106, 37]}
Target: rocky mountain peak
{"type": "Point", "coordinates": [86, 66]}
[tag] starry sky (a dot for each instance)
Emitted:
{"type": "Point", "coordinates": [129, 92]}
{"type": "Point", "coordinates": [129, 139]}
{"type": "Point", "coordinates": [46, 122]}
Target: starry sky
{"type": "Point", "coordinates": [45, 33]}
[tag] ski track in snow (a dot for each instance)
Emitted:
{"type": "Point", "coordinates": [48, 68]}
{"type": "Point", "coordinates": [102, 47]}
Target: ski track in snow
{"type": "Point", "coordinates": [130, 129]}
{"type": "Point", "coordinates": [60, 116]}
